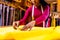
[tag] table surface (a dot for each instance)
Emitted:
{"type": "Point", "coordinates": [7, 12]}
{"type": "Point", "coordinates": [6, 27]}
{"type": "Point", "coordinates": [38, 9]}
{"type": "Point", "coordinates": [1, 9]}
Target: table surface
{"type": "Point", "coordinates": [8, 32]}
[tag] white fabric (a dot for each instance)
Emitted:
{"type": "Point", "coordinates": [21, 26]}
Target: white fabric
{"type": "Point", "coordinates": [42, 13]}
{"type": "Point", "coordinates": [33, 12]}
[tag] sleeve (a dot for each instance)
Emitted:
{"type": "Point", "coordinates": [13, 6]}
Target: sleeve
{"type": "Point", "coordinates": [22, 21]}
{"type": "Point", "coordinates": [43, 17]}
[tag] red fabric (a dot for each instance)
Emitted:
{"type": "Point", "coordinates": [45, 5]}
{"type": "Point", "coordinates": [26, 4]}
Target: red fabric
{"type": "Point", "coordinates": [49, 20]}
{"type": "Point", "coordinates": [38, 16]}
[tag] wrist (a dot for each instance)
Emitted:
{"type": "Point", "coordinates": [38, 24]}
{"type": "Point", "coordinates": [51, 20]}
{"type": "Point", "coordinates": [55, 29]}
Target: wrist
{"type": "Point", "coordinates": [33, 22]}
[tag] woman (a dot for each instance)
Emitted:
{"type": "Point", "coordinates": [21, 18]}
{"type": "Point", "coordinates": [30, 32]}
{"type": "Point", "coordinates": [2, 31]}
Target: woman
{"type": "Point", "coordinates": [39, 13]}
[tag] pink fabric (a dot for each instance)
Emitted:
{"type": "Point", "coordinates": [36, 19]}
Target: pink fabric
{"type": "Point", "coordinates": [38, 16]}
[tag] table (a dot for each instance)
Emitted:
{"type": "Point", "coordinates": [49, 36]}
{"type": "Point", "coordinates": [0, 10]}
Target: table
{"type": "Point", "coordinates": [37, 33]}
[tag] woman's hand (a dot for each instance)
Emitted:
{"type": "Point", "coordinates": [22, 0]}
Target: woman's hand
{"type": "Point", "coordinates": [28, 26]}
{"type": "Point", "coordinates": [15, 24]}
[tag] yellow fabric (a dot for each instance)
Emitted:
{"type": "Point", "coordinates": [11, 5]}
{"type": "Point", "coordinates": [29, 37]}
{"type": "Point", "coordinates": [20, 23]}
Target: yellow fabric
{"type": "Point", "coordinates": [37, 33]}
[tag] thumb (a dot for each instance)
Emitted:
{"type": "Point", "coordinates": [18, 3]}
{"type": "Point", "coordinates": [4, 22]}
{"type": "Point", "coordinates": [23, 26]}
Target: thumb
{"type": "Point", "coordinates": [30, 28]}
{"type": "Point", "coordinates": [17, 24]}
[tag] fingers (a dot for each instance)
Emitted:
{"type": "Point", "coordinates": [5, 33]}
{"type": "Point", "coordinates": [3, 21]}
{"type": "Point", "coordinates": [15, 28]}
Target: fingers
{"type": "Point", "coordinates": [30, 28]}
{"type": "Point", "coordinates": [15, 25]}
{"type": "Point", "coordinates": [24, 28]}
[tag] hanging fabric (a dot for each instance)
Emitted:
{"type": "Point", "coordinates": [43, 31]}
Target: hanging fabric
{"type": "Point", "coordinates": [7, 16]}
{"type": "Point", "coordinates": [0, 14]}
{"type": "Point", "coordinates": [42, 13]}
{"type": "Point", "coordinates": [33, 13]}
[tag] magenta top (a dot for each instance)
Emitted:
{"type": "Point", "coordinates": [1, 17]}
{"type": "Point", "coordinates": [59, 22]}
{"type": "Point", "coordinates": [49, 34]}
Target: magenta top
{"type": "Point", "coordinates": [38, 16]}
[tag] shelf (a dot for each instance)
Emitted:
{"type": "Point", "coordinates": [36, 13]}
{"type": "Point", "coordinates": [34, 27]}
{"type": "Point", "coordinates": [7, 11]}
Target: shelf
{"type": "Point", "coordinates": [18, 1]}
{"type": "Point", "coordinates": [12, 5]}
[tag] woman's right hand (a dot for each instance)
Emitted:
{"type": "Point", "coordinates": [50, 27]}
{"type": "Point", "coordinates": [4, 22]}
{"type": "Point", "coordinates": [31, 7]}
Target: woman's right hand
{"type": "Point", "coordinates": [28, 26]}
{"type": "Point", "coordinates": [15, 24]}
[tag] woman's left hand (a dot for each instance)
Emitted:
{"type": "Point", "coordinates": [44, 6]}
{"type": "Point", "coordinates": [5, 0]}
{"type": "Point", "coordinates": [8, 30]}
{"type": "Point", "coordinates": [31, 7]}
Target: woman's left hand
{"type": "Point", "coordinates": [28, 26]}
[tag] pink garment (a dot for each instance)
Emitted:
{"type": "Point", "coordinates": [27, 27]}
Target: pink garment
{"type": "Point", "coordinates": [38, 16]}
